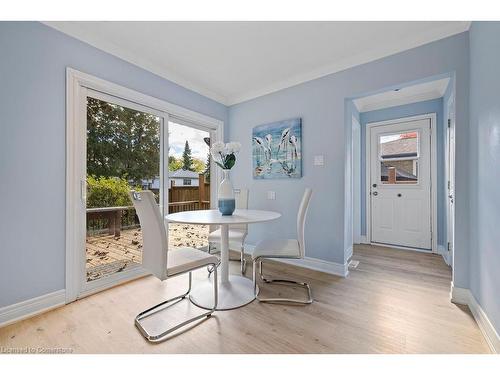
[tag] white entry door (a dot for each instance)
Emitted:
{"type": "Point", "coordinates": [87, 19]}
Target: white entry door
{"type": "Point", "coordinates": [400, 184]}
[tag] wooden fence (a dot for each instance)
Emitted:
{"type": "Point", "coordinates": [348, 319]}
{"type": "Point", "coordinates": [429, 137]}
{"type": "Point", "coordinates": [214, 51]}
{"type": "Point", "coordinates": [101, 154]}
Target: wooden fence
{"type": "Point", "coordinates": [180, 198]}
{"type": "Point", "coordinates": [188, 198]}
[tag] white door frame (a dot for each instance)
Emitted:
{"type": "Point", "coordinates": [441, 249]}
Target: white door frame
{"type": "Point", "coordinates": [450, 181]}
{"type": "Point", "coordinates": [356, 180]}
{"type": "Point", "coordinates": [77, 84]}
{"type": "Point", "coordinates": [433, 148]}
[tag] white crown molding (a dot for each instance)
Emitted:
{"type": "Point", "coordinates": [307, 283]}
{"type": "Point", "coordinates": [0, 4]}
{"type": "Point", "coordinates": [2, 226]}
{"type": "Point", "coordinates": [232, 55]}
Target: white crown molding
{"type": "Point", "coordinates": [34, 306]}
{"type": "Point", "coordinates": [368, 56]}
{"type": "Point", "coordinates": [404, 45]}
{"type": "Point", "coordinates": [113, 49]}
{"type": "Point", "coordinates": [464, 297]}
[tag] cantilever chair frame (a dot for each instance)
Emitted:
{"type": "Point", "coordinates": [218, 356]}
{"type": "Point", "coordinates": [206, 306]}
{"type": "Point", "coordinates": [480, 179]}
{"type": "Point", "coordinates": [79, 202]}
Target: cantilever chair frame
{"type": "Point", "coordinates": [161, 306]}
{"type": "Point", "coordinates": [155, 338]}
{"type": "Point", "coordinates": [301, 217]}
{"type": "Point", "coordinates": [242, 257]}
{"type": "Point", "coordinates": [305, 285]}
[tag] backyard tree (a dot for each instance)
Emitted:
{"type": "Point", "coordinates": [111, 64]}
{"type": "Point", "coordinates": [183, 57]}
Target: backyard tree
{"type": "Point", "coordinates": [174, 163]}
{"type": "Point", "coordinates": [122, 142]}
{"type": "Point", "coordinates": [206, 172]}
{"type": "Point", "coordinates": [187, 159]}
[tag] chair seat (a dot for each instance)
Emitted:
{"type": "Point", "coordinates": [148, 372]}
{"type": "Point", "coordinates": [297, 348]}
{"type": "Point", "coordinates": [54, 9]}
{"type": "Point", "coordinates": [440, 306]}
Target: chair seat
{"type": "Point", "coordinates": [234, 235]}
{"type": "Point", "coordinates": [277, 249]}
{"type": "Point", "coordinates": [186, 258]}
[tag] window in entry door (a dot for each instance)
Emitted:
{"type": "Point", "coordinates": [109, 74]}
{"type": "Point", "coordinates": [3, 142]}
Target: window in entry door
{"type": "Point", "coordinates": [398, 155]}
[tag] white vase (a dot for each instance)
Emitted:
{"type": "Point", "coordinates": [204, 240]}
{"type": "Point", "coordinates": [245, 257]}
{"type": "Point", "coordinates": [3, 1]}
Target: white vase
{"type": "Point", "coordinates": [225, 195]}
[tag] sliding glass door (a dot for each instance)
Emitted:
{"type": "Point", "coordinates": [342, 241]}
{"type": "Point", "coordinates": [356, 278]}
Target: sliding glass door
{"type": "Point", "coordinates": [118, 140]}
{"type": "Point", "coordinates": [125, 144]}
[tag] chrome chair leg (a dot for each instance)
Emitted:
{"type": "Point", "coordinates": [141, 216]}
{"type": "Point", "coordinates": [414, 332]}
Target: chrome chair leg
{"type": "Point", "coordinates": [166, 304]}
{"type": "Point", "coordinates": [243, 260]}
{"type": "Point", "coordinates": [211, 268]}
{"type": "Point", "coordinates": [306, 286]}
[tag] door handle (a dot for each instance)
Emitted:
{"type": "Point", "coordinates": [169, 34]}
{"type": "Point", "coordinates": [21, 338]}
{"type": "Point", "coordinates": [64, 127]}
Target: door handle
{"type": "Point", "coordinates": [375, 193]}
{"type": "Point", "coordinates": [399, 195]}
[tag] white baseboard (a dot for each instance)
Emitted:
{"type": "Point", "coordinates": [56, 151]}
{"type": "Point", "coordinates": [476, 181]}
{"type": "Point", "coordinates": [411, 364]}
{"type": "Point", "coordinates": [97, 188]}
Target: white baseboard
{"type": "Point", "coordinates": [348, 254]}
{"type": "Point", "coordinates": [363, 240]}
{"type": "Point", "coordinates": [464, 297]}
{"type": "Point", "coordinates": [459, 295]}
{"type": "Point", "coordinates": [445, 254]}
{"type": "Point", "coordinates": [332, 268]}
{"type": "Point", "coordinates": [34, 306]}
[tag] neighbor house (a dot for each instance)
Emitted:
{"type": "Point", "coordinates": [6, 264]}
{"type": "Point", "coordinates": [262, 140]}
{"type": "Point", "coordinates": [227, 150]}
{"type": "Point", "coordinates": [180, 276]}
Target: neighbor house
{"type": "Point", "coordinates": [182, 177]}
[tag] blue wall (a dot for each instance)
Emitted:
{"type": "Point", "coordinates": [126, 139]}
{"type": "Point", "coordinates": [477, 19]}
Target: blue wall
{"type": "Point", "coordinates": [326, 131]}
{"type": "Point", "coordinates": [485, 167]}
{"type": "Point", "coordinates": [430, 106]}
{"type": "Point", "coordinates": [33, 65]}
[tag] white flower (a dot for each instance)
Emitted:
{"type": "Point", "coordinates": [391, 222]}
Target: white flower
{"type": "Point", "coordinates": [216, 149]}
{"type": "Point", "coordinates": [233, 147]}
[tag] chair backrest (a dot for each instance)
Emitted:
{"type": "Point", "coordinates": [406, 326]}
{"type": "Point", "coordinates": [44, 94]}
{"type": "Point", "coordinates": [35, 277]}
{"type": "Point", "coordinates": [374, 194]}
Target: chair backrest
{"type": "Point", "coordinates": [154, 236]}
{"type": "Point", "coordinates": [241, 197]}
{"type": "Point", "coordinates": [301, 219]}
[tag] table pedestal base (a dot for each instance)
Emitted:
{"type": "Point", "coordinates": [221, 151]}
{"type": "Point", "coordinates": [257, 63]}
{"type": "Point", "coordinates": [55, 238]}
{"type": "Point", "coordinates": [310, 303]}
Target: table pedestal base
{"type": "Point", "coordinates": [233, 294]}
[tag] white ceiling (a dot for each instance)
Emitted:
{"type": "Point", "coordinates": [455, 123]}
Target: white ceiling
{"type": "Point", "coordinates": [235, 61]}
{"type": "Point", "coordinates": [404, 95]}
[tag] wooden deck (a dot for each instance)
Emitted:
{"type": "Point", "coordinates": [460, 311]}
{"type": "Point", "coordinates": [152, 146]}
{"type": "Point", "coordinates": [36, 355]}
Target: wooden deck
{"type": "Point", "coordinates": [107, 254]}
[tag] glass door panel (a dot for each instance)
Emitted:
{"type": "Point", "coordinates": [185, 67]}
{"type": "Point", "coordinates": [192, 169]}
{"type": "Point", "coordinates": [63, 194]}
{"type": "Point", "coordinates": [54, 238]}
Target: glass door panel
{"type": "Point", "coordinates": [189, 181]}
{"type": "Point", "coordinates": [399, 155]}
{"type": "Point", "coordinates": [123, 153]}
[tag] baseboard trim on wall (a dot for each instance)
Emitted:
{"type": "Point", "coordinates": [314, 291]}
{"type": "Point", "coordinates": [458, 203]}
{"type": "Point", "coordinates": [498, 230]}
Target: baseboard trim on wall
{"type": "Point", "coordinates": [31, 307]}
{"type": "Point", "coordinates": [445, 254]}
{"type": "Point", "coordinates": [315, 264]}
{"type": "Point", "coordinates": [348, 254]}
{"type": "Point", "coordinates": [464, 297]}
{"type": "Point", "coordinates": [332, 268]}
{"type": "Point", "coordinates": [362, 240]}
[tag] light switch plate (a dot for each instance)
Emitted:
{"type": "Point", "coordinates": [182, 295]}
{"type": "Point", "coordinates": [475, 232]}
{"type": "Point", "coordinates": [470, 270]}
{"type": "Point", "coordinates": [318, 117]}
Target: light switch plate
{"type": "Point", "coordinates": [271, 195]}
{"type": "Point", "coordinates": [319, 160]}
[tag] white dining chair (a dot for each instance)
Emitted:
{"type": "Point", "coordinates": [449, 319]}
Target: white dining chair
{"type": "Point", "coordinates": [237, 232]}
{"type": "Point", "coordinates": [164, 263]}
{"type": "Point", "coordinates": [284, 249]}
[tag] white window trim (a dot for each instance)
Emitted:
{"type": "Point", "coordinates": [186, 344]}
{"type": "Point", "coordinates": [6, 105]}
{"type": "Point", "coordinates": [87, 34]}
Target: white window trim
{"type": "Point", "coordinates": [77, 83]}
{"type": "Point", "coordinates": [433, 147]}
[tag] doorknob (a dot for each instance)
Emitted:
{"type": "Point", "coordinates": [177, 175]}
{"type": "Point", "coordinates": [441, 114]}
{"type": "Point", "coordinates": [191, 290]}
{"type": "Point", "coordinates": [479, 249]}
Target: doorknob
{"type": "Point", "coordinates": [399, 195]}
{"type": "Point", "coordinates": [375, 193]}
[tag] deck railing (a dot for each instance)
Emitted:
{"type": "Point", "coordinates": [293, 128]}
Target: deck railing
{"type": "Point", "coordinates": [181, 198]}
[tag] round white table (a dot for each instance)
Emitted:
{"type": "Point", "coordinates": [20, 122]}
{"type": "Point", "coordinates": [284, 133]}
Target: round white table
{"type": "Point", "coordinates": [234, 290]}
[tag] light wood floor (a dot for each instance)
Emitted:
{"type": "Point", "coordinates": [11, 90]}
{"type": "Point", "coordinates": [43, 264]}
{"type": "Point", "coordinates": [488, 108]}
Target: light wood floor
{"type": "Point", "coordinates": [394, 302]}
